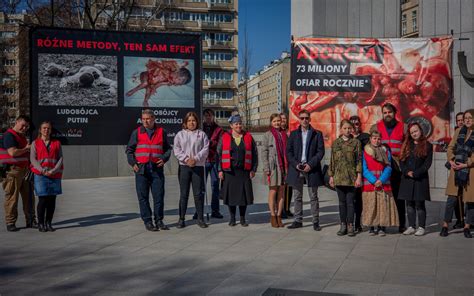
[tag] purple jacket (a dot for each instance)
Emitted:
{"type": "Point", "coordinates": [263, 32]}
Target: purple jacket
{"type": "Point", "coordinates": [191, 143]}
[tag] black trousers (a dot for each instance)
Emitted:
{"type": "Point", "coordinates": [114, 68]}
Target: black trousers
{"type": "Point", "coordinates": [414, 209]}
{"type": "Point", "coordinates": [233, 211]}
{"type": "Point", "coordinates": [45, 209]}
{"type": "Point", "coordinates": [358, 207]}
{"type": "Point", "coordinates": [288, 196]}
{"type": "Point", "coordinates": [395, 180]}
{"type": "Point", "coordinates": [346, 196]}
{"type": "Point", "coordinates": [191, 176]}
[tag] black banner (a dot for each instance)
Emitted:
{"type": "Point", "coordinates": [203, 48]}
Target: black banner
{"type": "Point", "coordinates": [92, 85]}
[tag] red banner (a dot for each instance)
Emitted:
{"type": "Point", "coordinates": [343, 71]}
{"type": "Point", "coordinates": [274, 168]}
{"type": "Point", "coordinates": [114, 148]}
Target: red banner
{"type": "Point", "coordinates": [335, 78]}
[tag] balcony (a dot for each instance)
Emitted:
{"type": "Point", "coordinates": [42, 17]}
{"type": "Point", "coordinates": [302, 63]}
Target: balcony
{"type": "Point", "coordinates": [212, 64]}
{"type": "Point", "coordinates": [217, 45]}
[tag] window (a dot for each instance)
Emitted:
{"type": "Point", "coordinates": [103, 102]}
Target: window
{"type": "Point", "coordinates": [223, 114]}
{"type": "Point", "coordinates": [8, 91]}
{"type": "Point", "coordinates": [217, 56]}
{"type": "Point", "coordinates": [404, 24]}
{"type": "Point", "coordinates": [218, 38]}
{"type": "Point", "coordinates": [12, 105]}
{"type": "Point", "coordinates": [8, 77]}
{"type": "Point", "coordinates": [218, 75]}
{"type": "Point", "coordinates": [9, 62]}
{"type": "Point", "coordinates": [414, 21]}
{"type": "Point", "coordinates": [218, 95]}
{"type": "Point", "coordinates": [10, 48]}
{"type": "Point", "coordinates": [8, 34]}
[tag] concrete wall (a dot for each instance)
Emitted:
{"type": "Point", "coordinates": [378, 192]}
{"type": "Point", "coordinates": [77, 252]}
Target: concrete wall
{"type": "Point", "coordinates": [381, 18]}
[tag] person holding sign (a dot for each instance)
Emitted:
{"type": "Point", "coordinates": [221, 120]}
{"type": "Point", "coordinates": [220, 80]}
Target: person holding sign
{"type": "Point", "coordinates": [147, 152]}
{"type": "Point", "coordinates": [191, 148]}
{"type": "Point", "coordinates": [238, 161]}
{"type": "Point", "coordinates": [47, 164]}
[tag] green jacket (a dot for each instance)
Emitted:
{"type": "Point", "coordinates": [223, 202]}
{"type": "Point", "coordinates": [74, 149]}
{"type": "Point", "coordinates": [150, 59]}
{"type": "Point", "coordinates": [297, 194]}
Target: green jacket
{"type": "Point", "coordinates": [346, 161]}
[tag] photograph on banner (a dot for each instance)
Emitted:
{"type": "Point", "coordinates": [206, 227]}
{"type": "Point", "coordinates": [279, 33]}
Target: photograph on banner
{"type": "Point", "coordinates": [77, 80]}
{"type": "Point", "coordinates": [151, 82]}
{"type": "Point", "coordinates": [335, 78]}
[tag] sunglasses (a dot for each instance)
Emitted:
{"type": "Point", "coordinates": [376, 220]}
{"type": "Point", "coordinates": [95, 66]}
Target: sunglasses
{"type": "Point", "coordinates": [304, 118]}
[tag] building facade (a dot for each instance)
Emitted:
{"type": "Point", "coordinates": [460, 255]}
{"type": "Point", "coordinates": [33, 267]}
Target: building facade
{"type": "Point", "coordinates": [14, 77]}
{"type": "Point", "coordinates": [267, 92]}
{"type": "Point", "coordinates": [217, 21]}
{"type": "Point", "coordinates": [409, 18]}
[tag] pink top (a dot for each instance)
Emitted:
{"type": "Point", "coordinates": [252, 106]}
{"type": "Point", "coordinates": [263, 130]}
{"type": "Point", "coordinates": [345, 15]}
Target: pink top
{"type": "Point", "coordinates": [191, 143]}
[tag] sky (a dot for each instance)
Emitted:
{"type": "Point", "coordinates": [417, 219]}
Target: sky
{"type": "Point", "coordinates": [268, 30]}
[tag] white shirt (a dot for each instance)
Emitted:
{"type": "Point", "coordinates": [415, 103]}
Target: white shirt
{"type": "Point", "coordinates": [304, 134]}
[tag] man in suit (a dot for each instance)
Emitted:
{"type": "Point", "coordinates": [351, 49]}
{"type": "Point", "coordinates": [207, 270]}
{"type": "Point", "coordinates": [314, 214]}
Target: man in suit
{"type": "Point", "coordinates": [305, 150]}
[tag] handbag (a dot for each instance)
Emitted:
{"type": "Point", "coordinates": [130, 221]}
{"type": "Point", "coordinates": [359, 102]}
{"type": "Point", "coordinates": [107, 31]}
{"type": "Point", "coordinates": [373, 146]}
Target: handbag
{"type": "Point", "coordinates": [28, 176]}
{"type": "Point", "coordinates": [326, 177]}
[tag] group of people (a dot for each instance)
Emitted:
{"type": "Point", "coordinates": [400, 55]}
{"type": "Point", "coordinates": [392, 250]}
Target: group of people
{"type": "Point", "coordinates": [379, 177]}
{"type": "Point", "coordinates": [26, 166]}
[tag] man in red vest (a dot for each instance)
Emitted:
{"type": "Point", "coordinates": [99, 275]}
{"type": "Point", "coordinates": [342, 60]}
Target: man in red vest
{"type": "Point", "coordinates": [392, 132]}
{"type": "Point", "coordinates": [15, 154]}
{"type": "Point", "coordinates": [147, 152]}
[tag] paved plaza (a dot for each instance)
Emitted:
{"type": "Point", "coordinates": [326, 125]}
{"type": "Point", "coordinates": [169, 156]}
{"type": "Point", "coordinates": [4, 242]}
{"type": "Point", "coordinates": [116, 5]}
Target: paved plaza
{"type": "Point", "coordinates": [101, 248]}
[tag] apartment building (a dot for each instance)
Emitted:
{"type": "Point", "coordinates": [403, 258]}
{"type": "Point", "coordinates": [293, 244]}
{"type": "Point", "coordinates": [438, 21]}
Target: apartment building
{"type": "Point", "coordinates": [267, 92]}
{"type": "Point", "coordinates": [217, 21]}
{"type": "Point", "coordinates": [409, 18]}
{"type": "Point", "coordinates": [14, 77]}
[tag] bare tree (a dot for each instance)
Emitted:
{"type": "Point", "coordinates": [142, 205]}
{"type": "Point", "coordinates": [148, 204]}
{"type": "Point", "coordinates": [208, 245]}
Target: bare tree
{"type": "Point", "coordinates": [245, 74]}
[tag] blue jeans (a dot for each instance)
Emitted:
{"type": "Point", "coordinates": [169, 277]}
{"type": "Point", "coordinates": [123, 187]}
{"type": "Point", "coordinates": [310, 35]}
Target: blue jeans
{"type": "Point", "coordinates": [154, 180]}
{"type": "Point", "coordinates": [211, 168]}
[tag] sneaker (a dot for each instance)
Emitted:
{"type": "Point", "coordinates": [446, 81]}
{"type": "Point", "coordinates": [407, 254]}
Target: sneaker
{"type": "Point", "coordinates": [150, 227]}
{"type": "Point", "coordinates": [381, 232]}
{"type": "Point", "coordinates": [420, 231]}
{"type": "Point", "coordinates": [217, 215]}
{"type": "Point", "coordinates": [316, 227]}
{"type": "Point", "coordinates": [372, 231]}
{"type": "Point", "coordinates": [161, 226]}
{"type": "Point", "coordinates": [409, 231]}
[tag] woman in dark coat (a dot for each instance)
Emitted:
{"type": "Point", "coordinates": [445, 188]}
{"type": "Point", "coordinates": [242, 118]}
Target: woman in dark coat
{"type": "Point", "coordinates": [415, 160]}
{"type": "Point", "coordinates": [238, 161]}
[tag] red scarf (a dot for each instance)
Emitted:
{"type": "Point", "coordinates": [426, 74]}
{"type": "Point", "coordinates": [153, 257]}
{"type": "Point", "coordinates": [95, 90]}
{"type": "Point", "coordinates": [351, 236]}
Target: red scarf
{"type": "Point", "coordinates": [281, 139]}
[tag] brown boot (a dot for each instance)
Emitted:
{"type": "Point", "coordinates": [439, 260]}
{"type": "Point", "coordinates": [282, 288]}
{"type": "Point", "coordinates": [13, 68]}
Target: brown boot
{"type": "Point", "coordinates": [280, 223]}
{"type": "Point", "coordinates": [274, 222]}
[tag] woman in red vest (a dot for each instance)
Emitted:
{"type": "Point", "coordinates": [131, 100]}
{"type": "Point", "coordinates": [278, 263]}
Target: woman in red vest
{"type": "Point", "coordinates": [379, 208]}
{"type": "Point", "coordinates": [47, 164]}
{"type": "Point", "coordinates": [238, 161]}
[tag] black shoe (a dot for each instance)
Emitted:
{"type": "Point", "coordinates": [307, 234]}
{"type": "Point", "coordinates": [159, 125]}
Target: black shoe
{"type": "Point", "coordinates": [161, 226]}
{"type": "Point", "coordinates": [401, 229]}
{"type": "Point", "coordinates": [316, 227]}
{"type": "Point", "coordinates": [232, 221]}
{"type": "Point", "coordinates": [467, 233]}
{"type": "Point", "coordinates": [12, 228]}
{"type": "Point", "coordinates": [458, 225]}
{"type": "Point", "coordinates": [359, 229]}
{"type": "Point", "coordinates": [150, 227]}
{"type": "Point", "coordinates": [350, 230]}
{"type": "Point", "coordinates": [181, 224]}
{"type": "Point", "coordinates": [42, 228]}
{"type": "Point", "coordinates": [217, 215]}
{"type": "Point", "coordinates": [195, 216]}
{"type": "Point", "coordinates": [32, 224]}
{"type": "Point", "coordinates": [289, 213]}
{"type": "Point", "coordinates": [444, 232]}
{"type": "Point", "coordinates": [202, 224]}
{"type": "Point", "coordinates": [49, 227]}
{"type": "Point", "coordinates": [242, 222]}
{"type": "Point", "coordinates": [342, 230]}
{"type": "Point", "coordinates": [295, 225]}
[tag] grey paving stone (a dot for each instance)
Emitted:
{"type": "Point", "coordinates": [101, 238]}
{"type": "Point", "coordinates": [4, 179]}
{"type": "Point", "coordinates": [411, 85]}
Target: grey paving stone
{"type": "Point", "coordinates": [243, 284]}
{"type": "Point", "coordinates": [362, 270]}
{"type": "Point", "coordinates": [404, 290]}
{"type": "Point", "coordinates": [352, 288]}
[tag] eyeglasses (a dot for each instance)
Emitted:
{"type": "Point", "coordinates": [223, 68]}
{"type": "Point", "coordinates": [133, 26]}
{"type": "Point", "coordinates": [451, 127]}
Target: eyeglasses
{"type": "Point", "coordinates": [304, 118]}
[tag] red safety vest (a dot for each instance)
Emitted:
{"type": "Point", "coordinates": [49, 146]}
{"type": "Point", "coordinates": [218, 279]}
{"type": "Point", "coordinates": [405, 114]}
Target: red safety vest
{"type": "Point", "coordinates": [149, 149]}
{"type": "Point", "coordinates": [48, 159]}
{"type": "Point", "coordinates": [376, 168]}
{"type": "Point", "coordinates": [226, 148]}
{"type": "Point", "coordinates": [22, 160]}
{"type": "Point", "coordinates": [395, 140]}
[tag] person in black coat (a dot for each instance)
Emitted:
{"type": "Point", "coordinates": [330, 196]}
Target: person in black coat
{"type": "Point", "coordinates": [415, 160]}
{"type": "Point", "coordinates": [305, 150]}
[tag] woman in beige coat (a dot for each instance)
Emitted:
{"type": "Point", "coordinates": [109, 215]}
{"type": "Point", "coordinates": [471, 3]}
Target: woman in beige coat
{"type": "Point", "coordinates": [275, 167]}
{"type": "Point", "coordinates": [461, 175]}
